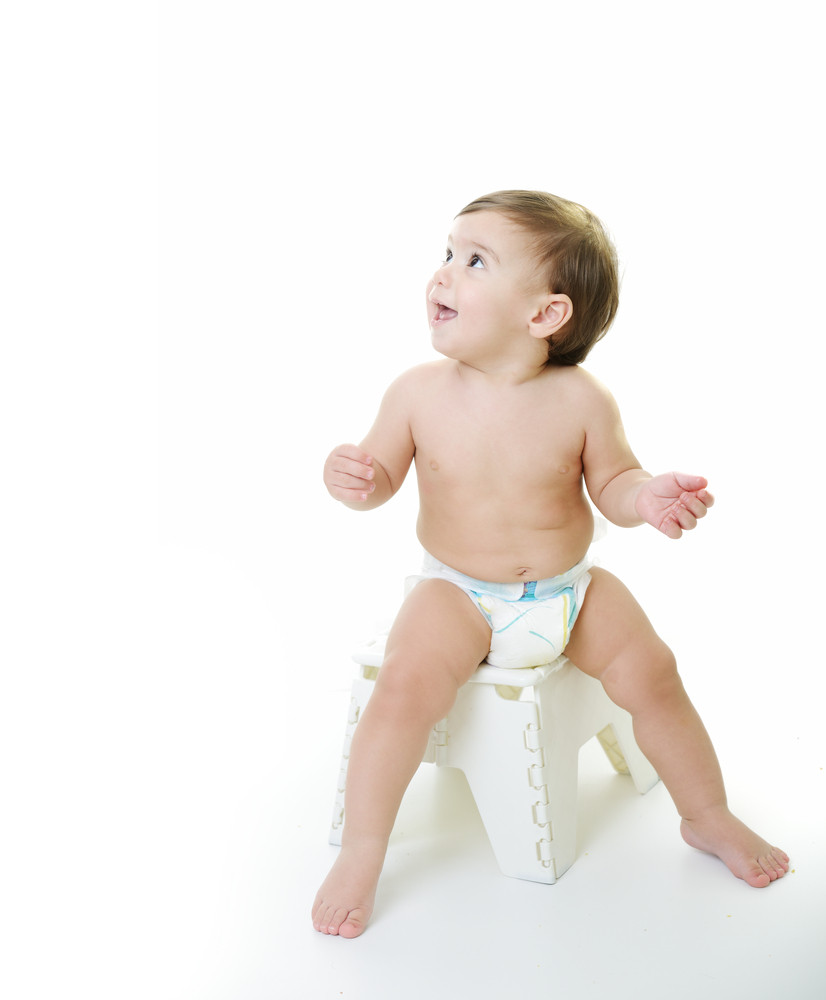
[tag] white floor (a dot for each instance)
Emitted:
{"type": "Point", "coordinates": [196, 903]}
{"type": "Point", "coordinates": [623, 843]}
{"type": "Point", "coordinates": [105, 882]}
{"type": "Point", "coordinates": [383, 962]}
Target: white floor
{"type": "Point", "coordinates": [173, 806]}
{"type": "Point", "coordinates": [180, 596]}
{"type": "Point", "coordinates": [639, 914]}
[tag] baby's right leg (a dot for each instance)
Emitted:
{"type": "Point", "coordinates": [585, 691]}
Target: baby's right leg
{"type": "Point", "coordinates": [437, 641]}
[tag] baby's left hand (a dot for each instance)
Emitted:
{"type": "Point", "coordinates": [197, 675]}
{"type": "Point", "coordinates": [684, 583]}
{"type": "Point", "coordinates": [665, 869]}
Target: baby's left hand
{"type": "Point", "coordinates": [673, 502]}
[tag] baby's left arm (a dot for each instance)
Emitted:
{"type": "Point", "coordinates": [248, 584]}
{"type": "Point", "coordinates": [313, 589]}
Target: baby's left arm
{"type": "Point", "coordinates": [620, 489]}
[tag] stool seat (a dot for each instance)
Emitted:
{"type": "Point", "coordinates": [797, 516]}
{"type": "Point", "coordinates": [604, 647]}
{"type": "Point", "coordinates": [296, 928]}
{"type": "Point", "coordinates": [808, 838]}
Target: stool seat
{"type": "Point", "coordinates": [371, 654]}
{"type": "Point", "coordinates": [516, 735]}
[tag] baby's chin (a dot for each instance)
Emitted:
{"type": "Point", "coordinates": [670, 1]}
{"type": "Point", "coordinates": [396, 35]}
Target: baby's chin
{"type": "Point", "coordinates": [441, 344]}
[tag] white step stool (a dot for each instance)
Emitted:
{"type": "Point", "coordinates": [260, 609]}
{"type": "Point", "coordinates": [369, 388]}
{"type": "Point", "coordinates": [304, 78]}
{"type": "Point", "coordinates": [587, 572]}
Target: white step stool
{"type": "Point", "coordinates": [516, 734]}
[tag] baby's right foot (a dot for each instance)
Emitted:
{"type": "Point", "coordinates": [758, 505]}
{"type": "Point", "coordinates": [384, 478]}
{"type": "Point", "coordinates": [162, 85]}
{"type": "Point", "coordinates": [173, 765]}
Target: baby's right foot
{"type": "Point", "coordinates": [345, 900]}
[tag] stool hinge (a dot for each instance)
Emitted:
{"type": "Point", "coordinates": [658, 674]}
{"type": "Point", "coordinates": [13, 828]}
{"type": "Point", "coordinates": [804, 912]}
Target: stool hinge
{"type": "Point", "coordinates": [536, 770]}
{"type": "Point", "coordinates": [531, 736]}
{"type": "Point", "coordinates": [544, 855]}
{"type": "Point", "coordinates": [542, 818]}
{"type": "Point", "coordinates": [536, 775]}
{"type": "Point", "coordinates": [541, 809]}
{"type": "Point", "coordinates": [439, 739]}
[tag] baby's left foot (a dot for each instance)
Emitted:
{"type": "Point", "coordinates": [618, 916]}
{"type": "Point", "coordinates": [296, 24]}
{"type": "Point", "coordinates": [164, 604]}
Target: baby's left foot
{"type": "Point", "coordinates": [748, 856]}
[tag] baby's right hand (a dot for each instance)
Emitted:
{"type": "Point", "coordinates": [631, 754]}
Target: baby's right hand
{"type": "Point", "coordinates": [348, 474]}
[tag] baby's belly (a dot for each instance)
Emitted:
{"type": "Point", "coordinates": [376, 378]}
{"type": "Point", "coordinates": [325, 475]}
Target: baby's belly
{"type": "Point", "coordinates": [504, 550]}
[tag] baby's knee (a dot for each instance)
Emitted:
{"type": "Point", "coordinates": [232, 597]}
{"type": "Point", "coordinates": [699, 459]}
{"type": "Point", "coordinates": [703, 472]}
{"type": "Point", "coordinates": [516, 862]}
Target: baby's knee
{"type": "Point", "coordinates": [407, 690]}
{"type": "Point", "coordinates": [647, 671]}
{"type": "Point", "coordinates": [661, 668]}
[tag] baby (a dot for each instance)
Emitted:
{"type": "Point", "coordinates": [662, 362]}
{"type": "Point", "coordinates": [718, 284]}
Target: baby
{"type": "Point", "coordinates": [505, 432]}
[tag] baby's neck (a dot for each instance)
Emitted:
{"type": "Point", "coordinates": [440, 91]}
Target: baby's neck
{"type": "Point", "coordinates": [506, 373]}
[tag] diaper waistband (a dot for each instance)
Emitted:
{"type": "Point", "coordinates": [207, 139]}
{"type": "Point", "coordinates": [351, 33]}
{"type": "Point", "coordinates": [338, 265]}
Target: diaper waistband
{"type": "Point", "coordinates": [506, 591]}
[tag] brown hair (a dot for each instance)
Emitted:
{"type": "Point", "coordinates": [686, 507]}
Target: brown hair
{"type": "Point", "coordinates": [578, 260]}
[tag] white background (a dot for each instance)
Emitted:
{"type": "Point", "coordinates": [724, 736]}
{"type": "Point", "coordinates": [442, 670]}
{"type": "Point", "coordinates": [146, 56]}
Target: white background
{"type": "Point", "coordinates": [218, 222]}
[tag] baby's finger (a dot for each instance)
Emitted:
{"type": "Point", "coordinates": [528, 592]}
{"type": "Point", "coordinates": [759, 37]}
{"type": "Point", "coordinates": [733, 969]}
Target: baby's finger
{"type": "Point", "coordinates": [351, 495]}
{"type": "Point", "coordinates": [353, 452]}
{"type": "Point", "coordinates": [670, 528]}
{"type": "Point", "coordinates": [691, 483]}
{"type": "Point", "coordinates": [347, 482]}
{"type": "Point", "coordinates": [351, 467]}
{"type": "Point", "coordinates": [694, 505]}
{"type": "Point", "coordinates": [349, 488]}
{"type": "Point", "coordinates": [686, 519]}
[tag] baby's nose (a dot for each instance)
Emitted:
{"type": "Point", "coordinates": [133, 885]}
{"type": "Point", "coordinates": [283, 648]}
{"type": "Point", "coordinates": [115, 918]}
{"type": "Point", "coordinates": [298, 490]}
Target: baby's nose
{"type": "Point", "coordinates": [440, 275]}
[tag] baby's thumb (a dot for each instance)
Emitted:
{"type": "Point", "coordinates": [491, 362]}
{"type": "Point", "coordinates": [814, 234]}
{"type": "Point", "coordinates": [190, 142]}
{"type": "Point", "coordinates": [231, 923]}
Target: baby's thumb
{"type": "Point", "coordinates": [692, 483]}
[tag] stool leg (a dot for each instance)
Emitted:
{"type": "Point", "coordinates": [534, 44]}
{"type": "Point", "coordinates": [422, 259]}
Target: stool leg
{"type": "Point", "coordinates": [621, 748]}
{"type": "Point", "coordinates": [359, 696]}
{"type": "Point", "coordinates": [562, 778]}
{"type": "Point", "coordinates": [494, 742]}
{"type": "Point", "coordinates": [608, 741]}
{"type": "Point", "coordinates": [596, 715]}
{"type": "Point", "coordinates": [515, 816]}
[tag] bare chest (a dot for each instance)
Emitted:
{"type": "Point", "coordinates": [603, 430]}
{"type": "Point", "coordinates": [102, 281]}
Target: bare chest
{"type": "Point", "coordinates": [506, 447]}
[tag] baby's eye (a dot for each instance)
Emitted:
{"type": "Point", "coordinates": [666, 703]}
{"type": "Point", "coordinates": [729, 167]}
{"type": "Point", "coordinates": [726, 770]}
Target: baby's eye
{"type": "Point", "coordinates": [476, 261]}
{"type": "Point", "coordinates": [448, 257]}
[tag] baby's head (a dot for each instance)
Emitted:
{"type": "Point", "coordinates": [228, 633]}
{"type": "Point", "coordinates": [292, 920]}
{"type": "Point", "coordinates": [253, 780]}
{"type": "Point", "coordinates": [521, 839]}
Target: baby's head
{"type": "Point", "coordinates": [574, 256]}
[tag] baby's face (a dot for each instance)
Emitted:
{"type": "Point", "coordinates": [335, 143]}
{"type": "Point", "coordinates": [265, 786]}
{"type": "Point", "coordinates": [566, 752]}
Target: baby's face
{"type": "Point", "coordinates": [487, 288]}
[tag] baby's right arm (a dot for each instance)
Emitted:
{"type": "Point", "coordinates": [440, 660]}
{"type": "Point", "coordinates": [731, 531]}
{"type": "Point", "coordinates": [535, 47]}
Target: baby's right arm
{"type": "Point", "coordinates": [365, 476]}
{"type": "Point", "coordinates": [349, 475]}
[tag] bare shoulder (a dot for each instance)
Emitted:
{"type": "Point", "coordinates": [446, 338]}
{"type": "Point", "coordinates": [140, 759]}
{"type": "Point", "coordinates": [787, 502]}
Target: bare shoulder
{"type": "Point", "coordinates": [405, 393]}
{"type": "Point", "coordinates": [584, 391]}
{"type": "Point", "coordinates": [422, 376]}
{"type": "Point", "coordinates": [421, 381]}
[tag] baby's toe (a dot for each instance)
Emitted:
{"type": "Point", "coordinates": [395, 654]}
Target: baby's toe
{"type": "Point", "coordinates": [334, 920]}
{"type": "Point", "coordinates": [757, 876]}
{"type": "Point", "coordinates": [778, 862]}
{"type": "Point", "coordinates": [354, 924]}
{"type": "Point", "coordinates": [324, 919]}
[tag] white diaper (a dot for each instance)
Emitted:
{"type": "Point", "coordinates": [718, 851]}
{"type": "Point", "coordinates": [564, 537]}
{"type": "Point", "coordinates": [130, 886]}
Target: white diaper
{"type": "Point", "coordinates": [530, 622]}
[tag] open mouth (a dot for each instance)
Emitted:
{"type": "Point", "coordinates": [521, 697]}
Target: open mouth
{"type": "Point", "coordinates": [443, 313]}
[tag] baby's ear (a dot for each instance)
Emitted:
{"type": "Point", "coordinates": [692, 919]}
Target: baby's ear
{"type": "Point", "coordinates": [556, 310]}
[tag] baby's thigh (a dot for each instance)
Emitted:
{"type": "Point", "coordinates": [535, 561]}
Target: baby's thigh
{"type": "Point", "coordinates": [613, 634]}
{"type": "Point", "coordinates": [438, 635]}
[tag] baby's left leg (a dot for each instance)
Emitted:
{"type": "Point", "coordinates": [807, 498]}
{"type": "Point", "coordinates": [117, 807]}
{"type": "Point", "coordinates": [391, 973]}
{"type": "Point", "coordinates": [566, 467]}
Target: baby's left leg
{"type": "Point", "coordinates": [614, 641]}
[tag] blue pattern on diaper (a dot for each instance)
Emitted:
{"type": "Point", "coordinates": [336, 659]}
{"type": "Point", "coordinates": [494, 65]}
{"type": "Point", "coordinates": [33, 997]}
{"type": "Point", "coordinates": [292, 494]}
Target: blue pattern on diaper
{"type": "Point", "coordinates": [544, 612]}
